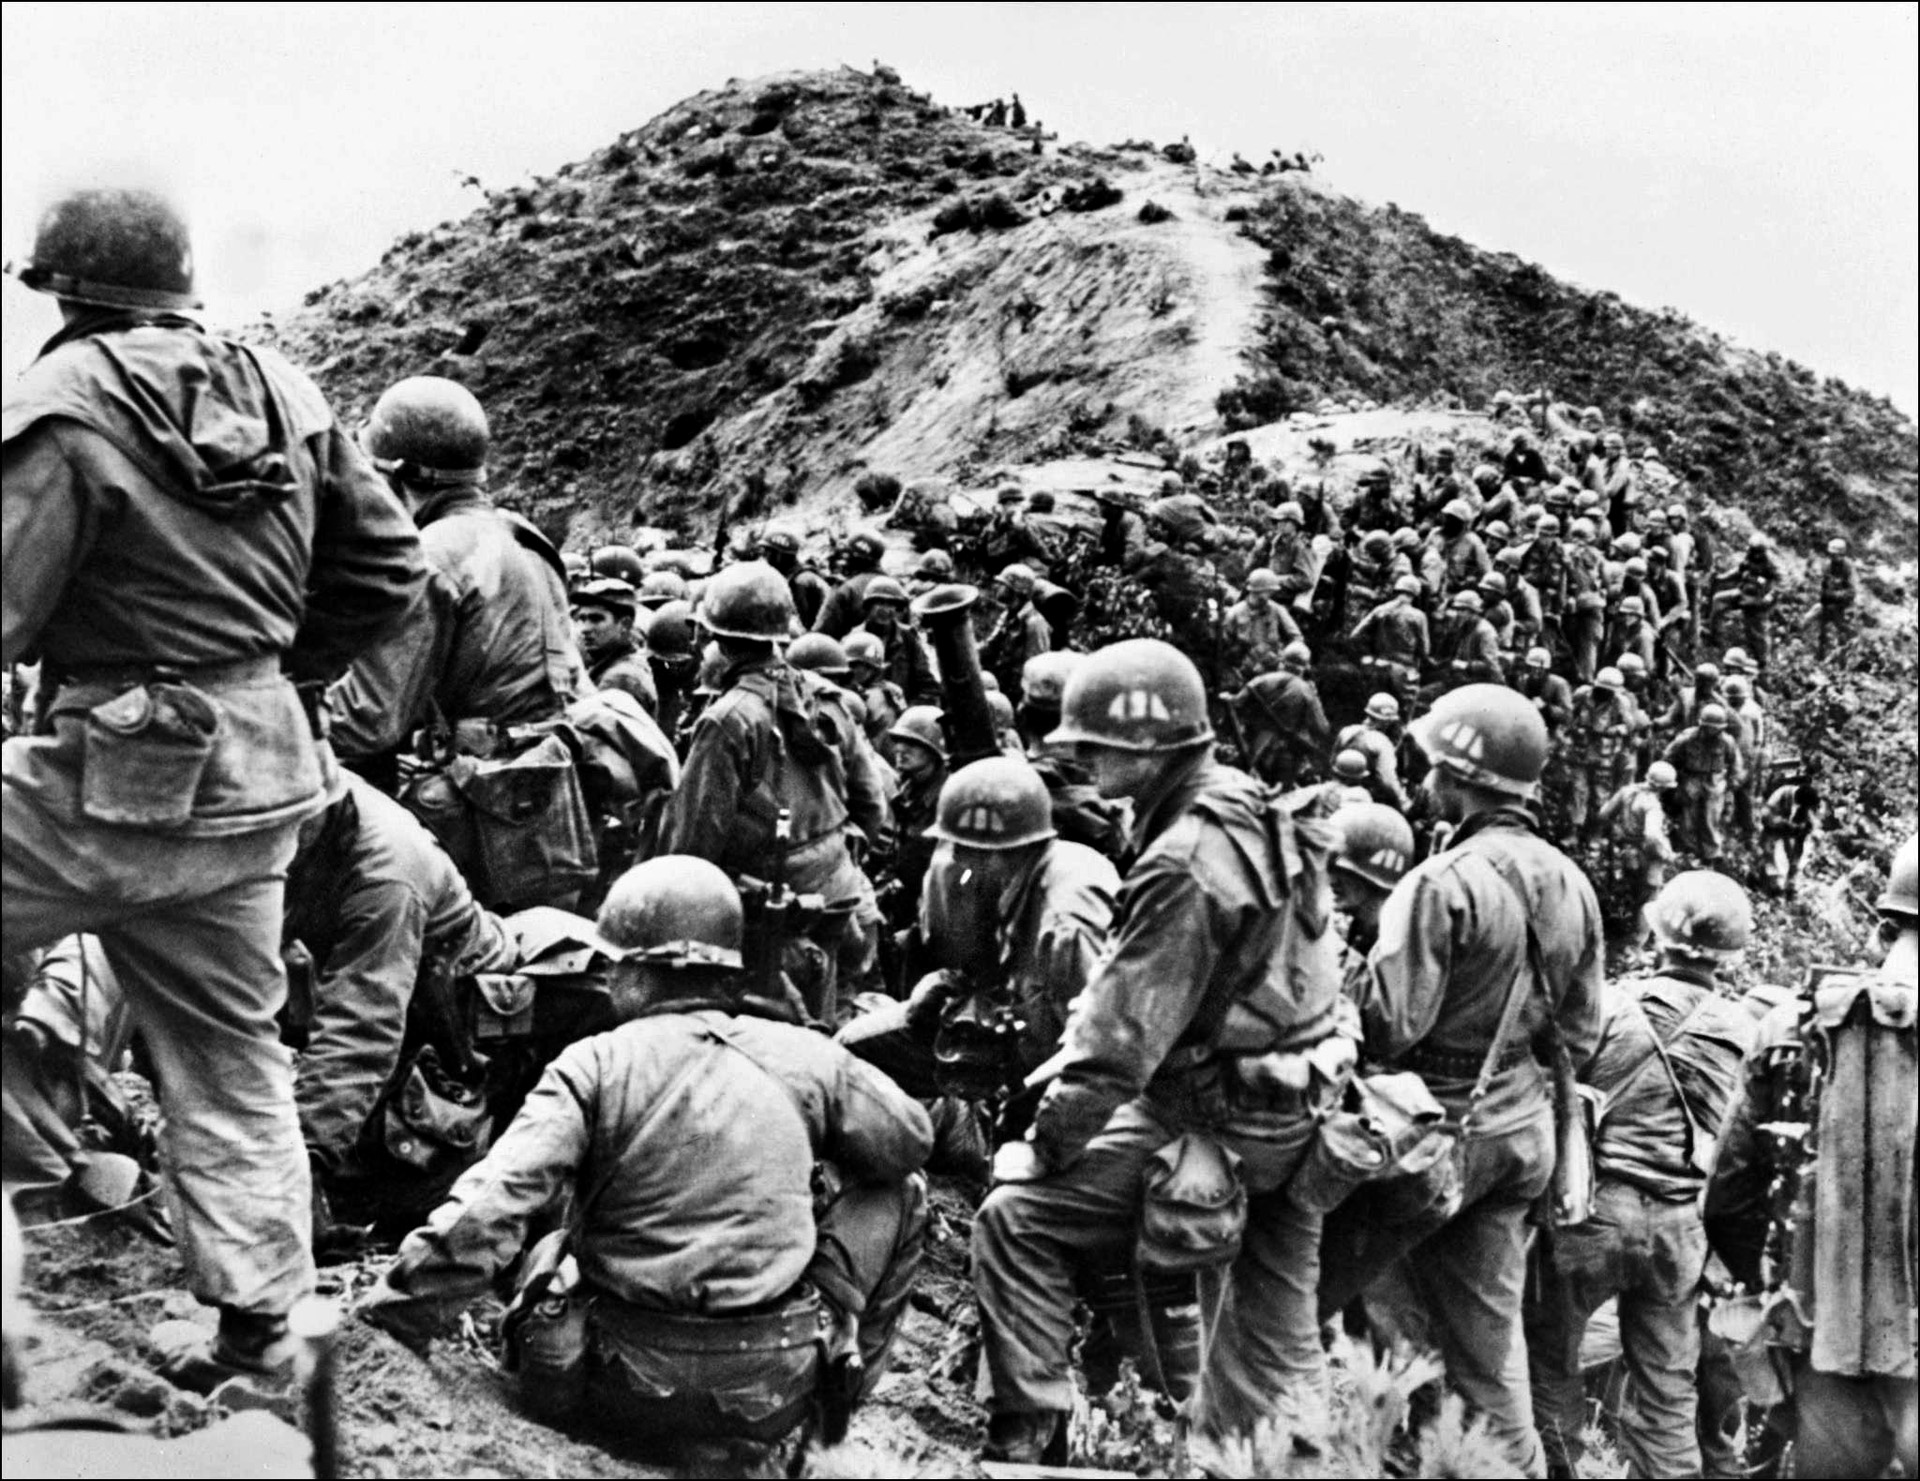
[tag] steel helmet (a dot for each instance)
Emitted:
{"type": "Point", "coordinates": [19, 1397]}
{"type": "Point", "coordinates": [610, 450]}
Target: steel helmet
{"type": "Point", "coordinates": [1706, 673]}
{"type": "Point", "coordinates": [1758, 540]}
{"type": "Point", "coordinates": [606, 592]}
{"type": "Point", "coordinates": [116, 248]}
{"type": "Point", "coordinates": [1017, 578]}
{"type": "Point", "coordinates": [1631, 664]}
{"type": "Point", "coordinates": [1702, 912]}
{"type": "Point", "coordinates": [864, 547]}
{"type": "Point", "coordinates": [1636, 568]}
{"type": "Point", "coordinates": [1539, 658]}
{"type": "Point", "coordinates": [620, 561]}
{"type": "Point", "coordinates": [574, 563]}
{"type": "Point", "coordinates": [1377, 543]}
{"type": "Point", "coordinates": [1001, 708]}
{"type": "Point", "coordinates": [1739, 687]}
{"type": "Point", "coordinates": [1139, 695]}
{"type": "Point", "coordinates": [1264, 581]}
{"type": "Point", "coordinates": [1662, 777]}
{"type": "Point", "coordinates": [1376, 843]}
{"type": "Point", "coordinates": [1713, 717]}
{"type": "Point", "coordinates": [1511, 556]}
{"type": "Point", "coordinates": [1632, 607]}
{"type": "Point", "coordinates": [1468, 601]}
{"type": "Point", "coordinates": [1407, 586]}
{"type": "Point", "coordinates": [1291, 510]}
{"type": "Point", "coordinates": [1546, 525]}
{"type": "Point", "coordinates": [1457, 509]}
{"type": "Point", "coordinates": [1836, 546]}
{"type": "Point", "coordinates": [1659, 553]}
{"type": "Point", "coordinates": [1498, 529]}
{"type": "Point", "coordinates": [1902, 895]}
{"type": "Point", "coordinates": [935, 565]}
{"type": "Point", "coordinates": [782, 538]}
{"type": "Point", "coordinates": [998, 803]}
{"type": "Point", "coordinates": [1610, 679]}
{"type": "Point", "coordinates": [989, 681]}
{"type": "Point", "coordinates": [1592, 414]}
{"type": "Point", "coordinates": [884, 589]}
{"type": "Point", "coordinates": [1486, 476]}
{"type": "Point", "coordinates": [922, 725]}
{"type": "Point", "coordinates": [1494, 583]}
{"type": "Point", "coordinates": [1383, 706]}
{"type": "Point", "coordinates": [1351, 766]}
{"type": "Point", "coordinates": [673, 911]}
{"type": "Point", "coordinates": [820, 654]}
{"type": "Point", "coordinates": [660, 587]}
{"type": "Point", "coordinates": [1628, 544]}
{"type": "Point", "coordinates": [1044, 679]}
{"type": "Point", "coordinates": [1376, 475]}
{"type": "Point", "coordinates": [1613, 442]}
{"type": "Point", "coordinates": [863, 647]}
{"type": "Point", "coordinates": [1677, 513]}
{"type": "Point", "coordinates": [1488, 735]}
{"type": "Point", "coordinates": [1446, 450]}
{"type": "Point", "coordinates": [1406, 538]}
{"type": "Point", "coordinates": [1559, 496]}
{"type": "Point", "coordinates": [430, 430]}
{"type": "Point", "coordinates": [1588, 502]}
{"type": "Point", "coordinates": [1582, 529]}
{"type": "Point", "coordinates": [1736, 661]}
{"type": "Point", "coordinates": [749, 601]}
{"type": "Point", "coordinates": [1296, 657]}
{"type": "Point", "coordinates": [670, 633]}
{"type": "Point", "coordinates": [1009, 495]}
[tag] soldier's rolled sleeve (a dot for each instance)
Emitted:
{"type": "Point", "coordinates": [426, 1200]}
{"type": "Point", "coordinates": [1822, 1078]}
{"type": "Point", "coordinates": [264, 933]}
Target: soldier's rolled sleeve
{"type": "Point", "coordinates": [453, 1257]}
{"type": "Point", "coordinates": [875, 1130]}
{"type": "Point", "coordinates": [47, 521]}
{"type": "Point", "coordinates": [1138, 1005]}
{"type": "Point", "coordinates": [368, 567]}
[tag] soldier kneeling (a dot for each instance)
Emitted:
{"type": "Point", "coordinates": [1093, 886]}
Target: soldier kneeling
{"type": "Point", "coordinates": [743, 1210]}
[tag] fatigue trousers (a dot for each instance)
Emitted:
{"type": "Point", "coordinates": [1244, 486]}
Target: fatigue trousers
{"type": "Point", "coordinates": [1471, 1273]}
{"type": "Point", "coordinates": [1852, 1426]}
{"type": "Point", "coordinates": [1583, 640]}
{"type": "Point", "coordinates": [1720, 1422]}
{"type": "Point", "coordinates": [1265, 1357]}
{"type": "Point", "coordinates": [1758, 623]}
{"type": "Point", "coordinates": [1648, 1254]}
{"type": "Point", "coordinates": [1589, 784]}
{"type": "Point", "coordinates": [1835, 627]}
{"type": "Point", "coordinates": [1703, 804]}
{"type": "Point", "coordinates": [191, 927]}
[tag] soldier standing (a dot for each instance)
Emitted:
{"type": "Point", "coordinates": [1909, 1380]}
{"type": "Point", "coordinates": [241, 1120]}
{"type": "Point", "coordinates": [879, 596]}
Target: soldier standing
{"type": "Point", "coordinates": [1759, 578]}
{"type": "Point", "coordinates": [1176, 1005]}
{"type": "Point", "coordinates": [780, 548]}
{"type": "Point", "coordinates": [1498, 911]}
{"type": "Point", "coordinates": [918, 750]}
{"type": "Point", "coordinates": [188, 536]}
{"type": "Point", "coordinates": [1254, 630]}
{"type": "Point", "coordinates": [840, 614]}
{"type": "Point", "coordinates": [1667, 1067]}
{"type": "Point", "coordinates": [1636, 820]}
{"type": "Point", "coordinates": [1707, 759]}
{"type": "Point", "coordinates": [1838, 592]}
{"type": "Point", "coordinates": [603, 615]}
{"type": "Point", "coordinates": [1395, 638]}
{"type": "Point", "coordinates": [1281, 716]}
{"type": "Point", "coordinates": [1812, 1197]}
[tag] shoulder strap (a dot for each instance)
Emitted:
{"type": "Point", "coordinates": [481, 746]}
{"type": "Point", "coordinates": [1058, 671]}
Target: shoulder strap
{"type": "Point", "coordinates": [1694, 1137]}
{"type": "Point", "coordinates": [527, 535]}
{"type": "Point", "coordinates": [1532, 971]}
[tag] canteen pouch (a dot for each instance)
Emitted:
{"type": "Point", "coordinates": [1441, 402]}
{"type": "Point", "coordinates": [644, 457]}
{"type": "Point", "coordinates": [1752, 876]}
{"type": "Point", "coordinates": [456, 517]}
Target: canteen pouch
{"type": "Point", "coordinates": [433, 1122]}
{"type": "Point", "coordinates": [1385, 1125]}
{"type": "Point", "coordinates": [144, 753]}
{"type": "Point", "coordinates": [1193, 1207]}
{"type": "Point", "coordinates": [544, 1332]}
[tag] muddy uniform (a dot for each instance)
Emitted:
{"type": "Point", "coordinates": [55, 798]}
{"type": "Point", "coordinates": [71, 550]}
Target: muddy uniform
{"type": "Point", "coordinates": [1292, 559]}
{"type": "Point", "coordinates": [1209, 909]}
{"type": "Point", "coordinates": [183, 521]}
{"type": "Point", "coordinates": [1285, 726]}
{"type": "Point", "coordinates": [1453, 938]}
{"type": "Point", "coordinates": [378, 905]}
{"type": "Point", "coordinates": [688, 1142]}
{"type": "Point", "coordinates": [1251, 637]}
{"type": "Point", "coordinates": [1830, 1240]}
{"type": "Point", "coordinates": [1636, 822]}
{"type": "Point", "coordinates": [1709, 764]}
{"type": "Point", "coordinates": [1645, 1245]}
{"type": "Point", "coordinates": [490, 640]}
{"type": "Point", "coordinates": [1463, 560]}
{"type": "Point", "coordinates": [1394, 636]}
{"type": "Point", "coordinates": [1466, 651]}
{"type": "Point", "coordinates": [1547, 568]}
{"type": "Point", "coordinates": [1599, 754]}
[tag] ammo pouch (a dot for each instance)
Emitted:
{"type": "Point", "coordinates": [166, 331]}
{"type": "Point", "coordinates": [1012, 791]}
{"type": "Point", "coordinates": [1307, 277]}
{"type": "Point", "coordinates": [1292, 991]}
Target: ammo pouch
{"type": "Point", "coordinates": [1388, 1129]}
{"type": "Point", "coordinates": [517, 828]}
{"type": "Point", "coordinates": [1193, 1207]}
{"type": "Point", "coordinates": [434, 1122]}
{"type": "Point", "coordinates": [144, 753]}
{"type": "Point", "coordinates": [746, 1377]}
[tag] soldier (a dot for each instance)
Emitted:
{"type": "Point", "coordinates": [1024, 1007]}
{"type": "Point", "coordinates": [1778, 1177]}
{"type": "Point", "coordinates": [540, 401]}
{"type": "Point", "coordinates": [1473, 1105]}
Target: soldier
{"type": "Point", "coordinates": [1007, 537]}
{"type": "Point", "coordinates": [1669, 593]}
{"type": "Point", "coordinates": [1548, 569]}
{"type": "Point", "coordinates": [1522, 596]}
{"type": "Point", "coordinates": [1500, 911]}
{"type": "Point", "coordinates": [883, 700]}
{"type": "Point", "coordinates": [1182, 580]}
{"type": "Point", "coordinates": [1172, 1035]}
{"type": "Point", "coordinates": [1600, 749]}
{"type": "Point", "coordinates": [1759, 577]}
{"type": "Point", "coordinates": [1375, 567]}
{"type": "Point", "coordinates": [748, 1209]}
{"type": "Point", "coordinates": [1635, 818]}
{"type": "Point", "coordinates": [1708, 762]}
{"type": "Point", "coordinates": [383, 914]}
{"type": "Point", "coordinates": [188, 536]}
{"type": "Point", "coordinates": [670, 655]}
{"type": "Point", "coordinates": [1688, 703]}
{"type": "Point", "coordinates": [1611, 476]}
{"type": "Point", "coordinates": [1838, 592]}
{"type": "Point", "coordinates": [1689, 562]}
{"type": "Point", "coordinates": [662, 588]}
{"type": "Point", "coordinates": [1467, 651]}
{"type": "Point", "coordinates": [1375, 850]}
{"type": "Point", "coordinates": [603, 613]}
{"type": "Point", "coordinates": [1462, 559]}
{"type": "Point", "coordinates": [1281, 717]}
{"type": "Point", "coordinates": [1080, 815]}
{"type": "Point", "coordinates": [1254, 631]}
{"type": "Point", "coordinates": [1123, 535]}
{"type": "Point", "coordinates": [1638, 693]}
{"type": "Point", "coordinates": [780, 548]}
{"type": "Point", "coordinates": [1498, 611]}
{"type": "Point", "coordinates": [1377, 737]}
{"type": "Point", "coordinates": [1291, 557]}
{"type": "Point", "coordinates": [489, 650]}
{"type": "Point", "coordinates": [1584, 616]}
{"type": "Point", "coordinates": [1752, 731]}
{"type": "Point", "coordinates": [768, 746]}
{"type": "Point", "coordinates": [840, 614]}
{"type": "Point", "coordinates": [1786, 823]}
{"type": "Point", "coordinates": [1023, 632]}
{"type": "Point", "coordinates": [917, 747]}
{"type": "Point", "coordinates": [1012, 918]}
{"type": "Point", "coordinates": [1523, 466]}
{"type": "Point", "coordinates": [1395, 635]}
{"type": "Point", "coordinates": [620, 562]}
{"type": "Point", "coordinates": [1671, 1043]}
{"type": "Point", "coordinates": [1550, 694]}
{"type": "Point", "coordinates": [907, 663]}
{"type": "Point", "coordinates": [1811, 1198]}
{"type": "Point", "coordinates": [1631, 633]}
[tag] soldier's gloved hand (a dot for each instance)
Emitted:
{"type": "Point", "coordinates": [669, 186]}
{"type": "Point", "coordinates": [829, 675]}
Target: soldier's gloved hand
{"type": "Point", "coordinates": [929, 998]}
{"type": "Point", "coordinates": [1018, 1162]}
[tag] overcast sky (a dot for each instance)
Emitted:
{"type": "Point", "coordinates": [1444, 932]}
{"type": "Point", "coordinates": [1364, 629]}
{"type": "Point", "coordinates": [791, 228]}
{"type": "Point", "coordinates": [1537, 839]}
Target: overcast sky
{"type": "Point", "coordinates": [1752, 165]}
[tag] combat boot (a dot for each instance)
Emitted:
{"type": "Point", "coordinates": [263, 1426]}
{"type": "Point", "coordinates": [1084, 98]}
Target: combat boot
{"type": "Point", "coordinates": [250, 1351]}
{"type": "Point", "coordinates": [1033, 1438]}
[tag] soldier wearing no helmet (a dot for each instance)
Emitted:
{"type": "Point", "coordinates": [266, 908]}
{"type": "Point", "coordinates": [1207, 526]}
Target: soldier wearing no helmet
{"type": "Point", "coordinates": [603, 619]}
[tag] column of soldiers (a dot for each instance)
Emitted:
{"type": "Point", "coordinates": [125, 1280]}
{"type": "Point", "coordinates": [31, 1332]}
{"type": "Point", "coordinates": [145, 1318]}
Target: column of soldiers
{"type": "Point", "coordinates": [668, 925]}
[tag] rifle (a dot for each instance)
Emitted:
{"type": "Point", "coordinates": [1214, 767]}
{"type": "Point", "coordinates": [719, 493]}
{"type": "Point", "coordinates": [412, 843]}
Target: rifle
{"type": "Point", "coordinates": [768, 939]}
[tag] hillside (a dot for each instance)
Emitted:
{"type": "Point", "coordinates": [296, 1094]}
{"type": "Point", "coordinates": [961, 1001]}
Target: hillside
{"type": "Point", "coordinates": [777, 285]}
